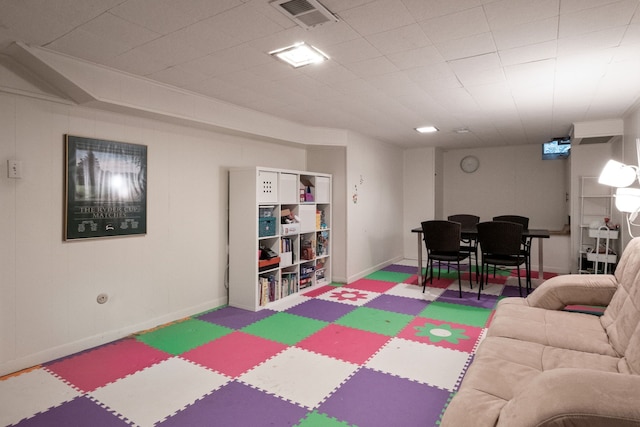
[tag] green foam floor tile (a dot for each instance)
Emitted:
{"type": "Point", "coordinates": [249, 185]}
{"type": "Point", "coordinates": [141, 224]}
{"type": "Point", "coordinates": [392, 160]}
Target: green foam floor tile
{"type": "Point", "coordinates": [177, 338]}
{"type": "Point", "coordinates": [285, 328]}
{"type": "Point", "coordinates": [315, 419]}
{"type": "Point", "coordinates": [374, 320]}
{"type": "Point", "coordinates": [389, 276]}
{"type": "Point", "coordinates": [457, 313]}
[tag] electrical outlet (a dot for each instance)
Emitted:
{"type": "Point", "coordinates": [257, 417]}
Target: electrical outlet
{"type": "Point", "coordinates": [102, 298]}
{"type": "Point", "coordinates": [14, 168]}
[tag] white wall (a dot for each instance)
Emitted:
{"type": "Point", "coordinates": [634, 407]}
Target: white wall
{"type": "Point", "coordinates": [512, 180]}
{"type": "Point", "coordinates": [48, 287]}
{"type": "Point", "coordinates": [419, 194]}
{"type": "Point", "coordinates": [333, 160]}
{"type": "Point", "coordinates": [586, 160]}
{"type": "Point", "coordinates": [374, 220]}
{"type": "Point", "coordinates": [630, 157]}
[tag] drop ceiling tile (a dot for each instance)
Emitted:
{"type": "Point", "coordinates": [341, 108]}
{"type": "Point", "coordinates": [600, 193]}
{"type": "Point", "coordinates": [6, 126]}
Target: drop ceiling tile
{"type": "Point", "coordinates": [585, 43]}
{"type": "Point", "coordinates": [423, 10]}
{"type": "Point", "coordinates": [597, 18]}
{"type": "Point", "coordinates": [456, 26]}
{"type": "Point", "coordinates": [136, 62]}
{"type": "Point", "coordinates": [378, 16]}
{"type": "Point", "coordinates": [399, 39]}
{"type": "Point", "coordinates": [395, 84]}
{"type": "Point", "coordinates": [431, 72]}
{"type": "Point", "coordinates": [510, 13]}
{"type": "Point", "coordinates": [466, 47]}
{"type": "Point", "coordinates": [178, 76]}
{"type": "Point", "coordinates": [103, 37]}
{"type": "Point", "coordinates": [526, 34]}
{"type": "Point", "coordinates": [372, 67]}
{"type": "Point", "coordinates": [245, 23]}
{"type": "Point", "coordinates": [530, 53]}
{"type": "Point", "coordinates": [632, 35]}
{"type": "Point", "coordinates": [329, 72]}
{"type": "Point", "coordinates": [330, 34]}
{"type": "Point", "coordinates": [167, 16]}
{"type": "Point", "coordinates": [477, 63]}
{"type": "Point", "coordinates": [576, 5]}
{"type": "Point", "coordinates": [416, 57]}
{"type": "Point", "coordinates": [169, 50]}
{"type": "Point", "coordinates": [352, 51]}
{"type": "Point", "coordinates": [531, 74]}
{"type": "Point", "coordinates": [342, 5]}
{"type": "Point", "coordinates": [204, 36]}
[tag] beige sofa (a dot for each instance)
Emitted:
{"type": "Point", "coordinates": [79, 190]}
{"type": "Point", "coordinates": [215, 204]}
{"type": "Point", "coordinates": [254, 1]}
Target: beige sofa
{"type": "Point", "coordinates": [542, 366]}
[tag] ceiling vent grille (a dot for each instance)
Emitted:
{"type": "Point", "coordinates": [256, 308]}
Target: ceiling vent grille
{"type": "Point", "coordinates": [305, 13]}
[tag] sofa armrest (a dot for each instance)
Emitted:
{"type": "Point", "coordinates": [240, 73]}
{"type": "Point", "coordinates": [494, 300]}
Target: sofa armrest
{"type": "Point", "coordinates": [569, 396]}
{"type": "Point", "coordinates": [584, 289]}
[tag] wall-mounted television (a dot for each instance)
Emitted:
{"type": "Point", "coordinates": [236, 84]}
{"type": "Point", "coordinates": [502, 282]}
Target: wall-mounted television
{"type": "Point", "coordinates": [557, 148]}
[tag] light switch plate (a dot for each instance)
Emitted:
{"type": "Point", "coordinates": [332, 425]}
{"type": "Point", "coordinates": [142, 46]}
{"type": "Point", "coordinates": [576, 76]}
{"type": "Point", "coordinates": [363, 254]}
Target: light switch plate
{"type": "Point", "coordinates": [14, 168]}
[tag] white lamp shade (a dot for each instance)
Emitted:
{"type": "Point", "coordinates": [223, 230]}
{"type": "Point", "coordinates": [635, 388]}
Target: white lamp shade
{"type": "Point", "coordinates": [628, 199]}
{"type": "Point", "coordinates": [617, 174]}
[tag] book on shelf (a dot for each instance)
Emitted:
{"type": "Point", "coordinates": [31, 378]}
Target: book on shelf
{"type": "Point", "coordinates": [269, 289]}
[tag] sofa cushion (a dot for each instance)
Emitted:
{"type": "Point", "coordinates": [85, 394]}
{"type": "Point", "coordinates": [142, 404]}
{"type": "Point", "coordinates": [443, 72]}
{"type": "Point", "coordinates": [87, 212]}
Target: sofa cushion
{"type": "Point", "coordinates": [562, 329]}
{"type": "Point", "coordinates": [622, 316]}
{"type": "Point", "coordinates": [503, 368]}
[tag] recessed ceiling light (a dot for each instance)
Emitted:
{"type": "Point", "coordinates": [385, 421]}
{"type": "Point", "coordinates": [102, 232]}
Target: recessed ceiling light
{"type": "Point", "coordinates": [427, 129]}
{"type": "Point", "coordinates": [462, 130]}
{"type": "Point", "coordinates": [299, 55]}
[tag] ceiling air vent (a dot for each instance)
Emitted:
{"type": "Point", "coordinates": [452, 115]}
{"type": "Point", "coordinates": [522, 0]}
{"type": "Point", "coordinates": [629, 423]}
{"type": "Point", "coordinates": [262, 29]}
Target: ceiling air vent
{"type": "Point", "coordinates": [306, 13]}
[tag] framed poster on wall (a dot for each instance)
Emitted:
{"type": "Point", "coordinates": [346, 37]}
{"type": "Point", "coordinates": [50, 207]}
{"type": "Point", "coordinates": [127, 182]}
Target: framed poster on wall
{"type": "Point", "coordinates": [106, 188]}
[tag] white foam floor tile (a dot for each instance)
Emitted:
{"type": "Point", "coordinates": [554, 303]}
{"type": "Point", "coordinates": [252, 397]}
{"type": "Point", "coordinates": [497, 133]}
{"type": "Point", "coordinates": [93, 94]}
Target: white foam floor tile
{"type": "Point", "coordinates": [490, 289]}
{"type": "Point", "coordinates": [415, 292]}
{"type": "Point", "coordinates": [24, 395]}
{"type": "Point", "coordinates": [424, 363]}
{"type": "Point", "coordinates": [300, 376]}
{"type": "Point", "coordinates": [347, 295]}
{"type": "Point", "coordinates": [153, 394]}
{"type": "Point", "coordinates": [410, 263]}
{"type": "Point", "coordinates": [288, 302]}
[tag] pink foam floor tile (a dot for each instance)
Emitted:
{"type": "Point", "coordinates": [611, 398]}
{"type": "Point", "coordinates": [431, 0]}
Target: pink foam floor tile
{"type": "Point", "coordinates": [235, 353]}
{"type": "Point", "coordinates": [372, 285]}
{"type": "Point", "coordinates": [344, 343]}
{"type": "Point", "coordinates": [95, 368]}
{"type": "Point", "coordinates": [442, 334]}
{"type": "Point", "coordinates": [321, 290]}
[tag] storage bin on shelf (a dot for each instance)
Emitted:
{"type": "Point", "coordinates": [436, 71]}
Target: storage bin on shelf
{"type": "Point", "coordinates": [266, 226]}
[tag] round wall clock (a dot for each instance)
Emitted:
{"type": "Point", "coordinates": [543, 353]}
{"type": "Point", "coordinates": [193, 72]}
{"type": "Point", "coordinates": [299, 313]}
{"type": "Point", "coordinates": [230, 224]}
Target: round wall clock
{"type": "Point", "coordinates": [469, 164]}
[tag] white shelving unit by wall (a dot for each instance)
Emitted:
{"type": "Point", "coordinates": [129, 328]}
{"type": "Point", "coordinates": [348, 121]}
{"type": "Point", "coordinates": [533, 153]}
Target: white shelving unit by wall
{"type": "Point", "coordinates": [270, 260]}
{"type": "Point", "coordinates": [598, 244]}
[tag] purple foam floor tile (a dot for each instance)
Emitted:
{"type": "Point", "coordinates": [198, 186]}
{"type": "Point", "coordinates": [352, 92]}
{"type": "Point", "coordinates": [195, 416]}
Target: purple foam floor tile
{"type": "Point", "coordinates": [512, 291]}
{"type": "Point", "coordinates": [74, 413]}
{"type": "Point", "coordinates": [398, 304]}
{"type": "Point", "coordinates": [321, 310]}
{"type": "Point", "coordinates": [238, 405]}
{"type": "Point", "coordinates": [235, 318]}
{"type": "Point", "coordinates": [396, 268]}
{"type": "Point", "coordinates": [372, 399]}
{"type": "Point", "coordinates": [469, 298]}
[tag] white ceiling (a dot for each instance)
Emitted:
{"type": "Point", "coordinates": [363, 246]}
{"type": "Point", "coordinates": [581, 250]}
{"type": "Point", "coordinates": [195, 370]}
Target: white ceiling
{"type": "Point", "coordinates": [511, 71]}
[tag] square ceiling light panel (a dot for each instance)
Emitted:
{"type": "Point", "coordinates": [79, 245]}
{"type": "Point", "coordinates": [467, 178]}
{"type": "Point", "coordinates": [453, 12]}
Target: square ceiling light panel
{"type": "Point", "coordinates": [427, 129]}
{"type": "Point", "coordinates": [299, 55]}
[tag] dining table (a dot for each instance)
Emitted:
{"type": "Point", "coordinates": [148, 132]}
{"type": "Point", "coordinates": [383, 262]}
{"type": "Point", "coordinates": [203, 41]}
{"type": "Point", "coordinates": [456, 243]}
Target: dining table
{"type": "Point", "coordinates": [472, 233]}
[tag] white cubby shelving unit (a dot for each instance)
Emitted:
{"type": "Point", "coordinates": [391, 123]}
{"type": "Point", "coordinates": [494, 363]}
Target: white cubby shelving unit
{"type": "Point", "coordinates": [598, 244]}
{"type": "Point", "coordinates": [300, 251]}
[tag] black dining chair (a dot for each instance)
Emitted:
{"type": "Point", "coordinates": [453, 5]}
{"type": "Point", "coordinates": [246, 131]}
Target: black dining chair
{"type": "Point", "coordinates": [468, 244]}
{"type": "Point", "coordinates": [442, 240]}
{"type": "Point", "coordinates": [500, 244]}
{"type": "Point", "coordinates": [526, 242]}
